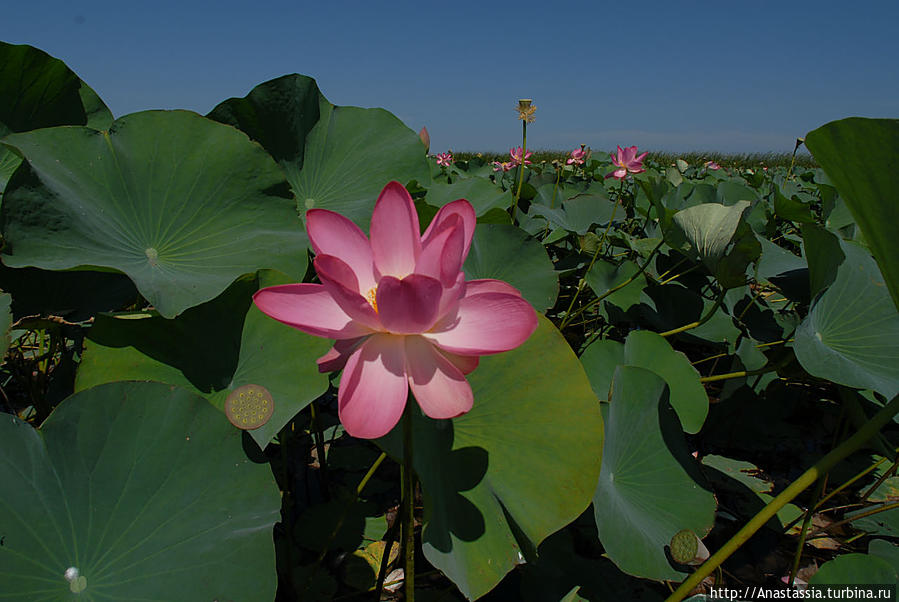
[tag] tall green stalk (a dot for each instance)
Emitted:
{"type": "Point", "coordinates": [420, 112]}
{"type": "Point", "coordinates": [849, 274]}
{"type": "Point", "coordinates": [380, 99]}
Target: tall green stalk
{"type": "Point", "coordinates": [407, 478]}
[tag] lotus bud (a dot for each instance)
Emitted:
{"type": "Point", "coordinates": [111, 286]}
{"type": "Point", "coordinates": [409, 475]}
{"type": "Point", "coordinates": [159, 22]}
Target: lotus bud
{"type": "Point", "coordinates": [425, 138]}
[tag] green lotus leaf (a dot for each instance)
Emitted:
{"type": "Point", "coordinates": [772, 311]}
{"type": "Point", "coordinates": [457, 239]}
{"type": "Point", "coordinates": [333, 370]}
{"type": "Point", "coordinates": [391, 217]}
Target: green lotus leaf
{"type": "Point", "coordinates": [860, 157]}
{"type": "Point", "coordinates": [649, 487]}
{"type": "Point", "coordinates": [604, 276]}
{"type": "Point", "coordinates": [885, 551]}
{"type": "Point", "coordinates": [179, 203]}
{"type": "Point", "coordinates": [784, 270]}
{"type": "Point", "coordinates": [481, 193]}
{"type": "Point", "coordinates": [211, 350]}
{"type": "Point", "coordinates": [337, 158]}
{"type": "Point", "coordinates": [134, 491]}
{"type": "Point", "coordinates": [855, 569]}
{"type": "Point", "coordinates": [578, 213]}
{"type": "Point", "coordinates": [37, 90]}
{"type": "Point", "coordinates": [731, 192]}
{"type": "Point", "coordinates": [599, 361]}
{"type": "Point", "coordinates": [709, 228]}
{"type": "Point", "coordinates": [851, 333]}
{"type": "Point", "coordinates": [506, 252]}
{"type": "Point", "coordinates": [519, 466]}
{"type": "Point", "coordinates": [646, 349]}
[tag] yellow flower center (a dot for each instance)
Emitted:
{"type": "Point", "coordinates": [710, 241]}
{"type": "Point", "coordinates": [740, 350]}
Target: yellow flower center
{"type": "Point", "coordinates": [371, 297]}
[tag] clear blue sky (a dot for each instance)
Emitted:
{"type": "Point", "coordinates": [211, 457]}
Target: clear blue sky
{"type": "Point", "coordinates": [732, 76]}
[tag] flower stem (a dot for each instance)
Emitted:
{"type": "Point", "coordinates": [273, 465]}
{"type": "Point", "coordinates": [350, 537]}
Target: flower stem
{"type": "Point", "coordinates": [408, 491]}
{"type": "Point", "coordinates": [700, 321]}
{"type": "Point", "coordinates": [319, 438]}
{"type": "Point", "coordinates": [524, 152]}
{"type": "Point", "coordinates": [868, 430]}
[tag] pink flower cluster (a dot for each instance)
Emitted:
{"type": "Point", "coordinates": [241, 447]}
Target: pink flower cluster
{"type": "Point", "coordinates": [401, 311]}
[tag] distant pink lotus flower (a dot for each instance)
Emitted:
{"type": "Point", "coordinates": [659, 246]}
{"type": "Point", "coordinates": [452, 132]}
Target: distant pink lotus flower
{"type": "Point", "coordinates": [515, 153]}
{"type": "Point", "coordinates": [505, 166]}
{"type": "Point", "coordinates": [577, 156]}
{"type": "Point", "coordinates": [401, 312]}
{"type": "Point", "coordinates": [627, 162]}
{"type": "Point", "coordinates": [445, 159]}
{"type": "Point", "coordinates": [712, 165]}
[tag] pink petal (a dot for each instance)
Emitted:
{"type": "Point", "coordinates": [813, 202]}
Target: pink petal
{"type": "Point", "coordinates": [463, 209]}
{"type": "Point", "coordinates": [336, 357]}
{"type": "Point", "coordinates": [310, 308]}
{"type": "Point", "coordinates": [439, 387]}
{"type": "Point", "coordinates": [441, 256]}
{"type": "Point", "coordinates": [484, 324]}
{"type": "Point", "coordinates": [332, 234]}
{"type": "Point", "coordinates": [451, 296]}
{"type": "Point", "coordinates": [395, 235]}
{"type": "Point", "coordinates": [373, 388]}
{"type": "Point", "coordinates": [465, 363]}
{"type": "Point", "coordinates": [488, 285]}
{"type": "Point", "coordinates": [339, 280]}
{"type": "Point", "coordinates": [410, 305]}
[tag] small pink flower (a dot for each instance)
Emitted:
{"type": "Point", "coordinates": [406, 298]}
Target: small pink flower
{"type": "Point", "coordinates": [577, 156]}
{"type": "Point", "coordinates": [515, 153]}
{"type": "Point", "coordinates": [401, 312]}
{"type": "Point", "coordinates": [712, 165]}
{"type": "Point", "coordinates": [445, 159]}
{"type": "Point", "coordinates": [627, 162]}
{"type": "Point", "coordinates": [504, 166]}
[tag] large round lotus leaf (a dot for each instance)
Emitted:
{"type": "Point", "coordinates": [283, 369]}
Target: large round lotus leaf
{"type": "Point", "coordinates": [337, 158]}
{"type": "Point", "coordinates": [851, 333]}
{"type": "Point", "coordinates": [649, 485]}
{"type": "Point", "coordinates": [860, 157]}
{"type": "Point", "coordinates": [480, 192]}
{"type": "Point", "coordinates": [520, 465]}
{"type": "Point", "coordinates": [854, 569]}
{"type": "Point", "coordinates": [134, 491]}
{"type": "Point", "coordinates": [179, 203]}
{"type": "Point", "coordinates": [505, 252]}
{"type": "Point", "coordinates": [646, 349]}
{"type": "Point", "coordinates": [211, 350]}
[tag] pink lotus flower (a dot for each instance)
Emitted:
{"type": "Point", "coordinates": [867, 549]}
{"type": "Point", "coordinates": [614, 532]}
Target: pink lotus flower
{"type": "Point", "coordinates": [712, 165]}
{"type": "Point", "coordinates": [401, 312]}
{"type": "Point", "coordinates": [577, 156]}
{"type": "Point", "coordinates": [515, 153]}
{"type": "Point", "coordinates": [627, 162]}
{"type": "Point", "coordinates": [505, 166]}
{"type": "Point", "coordinates": [445, 159]}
